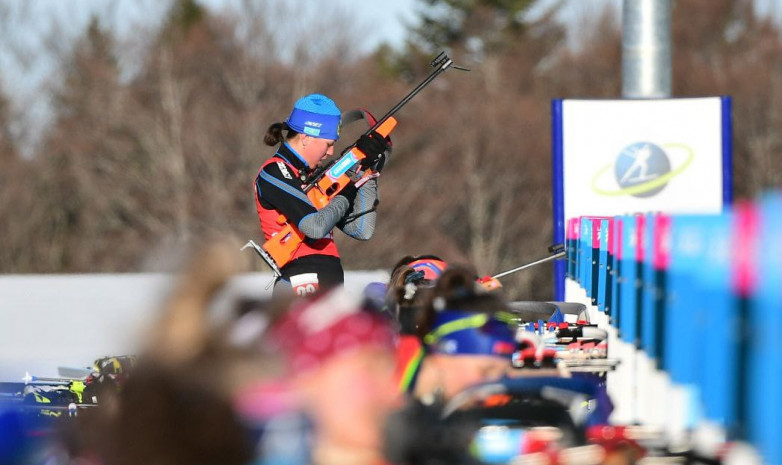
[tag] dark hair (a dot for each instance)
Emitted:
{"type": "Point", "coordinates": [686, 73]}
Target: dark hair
{"type": "Point", "coordinates": [408, 259]}
{"type": "Point", "coordinates": [164, 402]}
{"type": "Point", "coordinates": [403, 303]}
{"type": "Point", "coordinates": [457, 289]}
{"type": "Point", "coordinates": [274, 134]}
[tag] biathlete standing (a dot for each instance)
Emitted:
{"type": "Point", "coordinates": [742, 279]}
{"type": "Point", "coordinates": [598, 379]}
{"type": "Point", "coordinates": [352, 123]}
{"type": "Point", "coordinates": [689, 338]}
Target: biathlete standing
{"type": "Point", "coordinates": [304, 140]}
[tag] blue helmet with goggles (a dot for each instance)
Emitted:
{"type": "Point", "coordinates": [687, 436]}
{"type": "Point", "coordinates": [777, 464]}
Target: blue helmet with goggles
{"type": "Point", "coordinates": [458, 332]}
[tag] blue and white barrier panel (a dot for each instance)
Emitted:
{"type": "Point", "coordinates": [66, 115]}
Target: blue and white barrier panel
{"type": "Point", "coordinates": [700, 296]}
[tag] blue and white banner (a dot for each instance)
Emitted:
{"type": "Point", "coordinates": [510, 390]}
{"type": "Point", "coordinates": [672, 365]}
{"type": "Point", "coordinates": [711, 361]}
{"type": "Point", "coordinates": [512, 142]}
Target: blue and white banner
{"type": "Point", "coordinates": [615, 157]}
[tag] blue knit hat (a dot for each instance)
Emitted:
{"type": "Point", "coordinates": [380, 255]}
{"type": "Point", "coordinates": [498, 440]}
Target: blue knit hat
{"type": "Point", "coordinates": [316, 115]}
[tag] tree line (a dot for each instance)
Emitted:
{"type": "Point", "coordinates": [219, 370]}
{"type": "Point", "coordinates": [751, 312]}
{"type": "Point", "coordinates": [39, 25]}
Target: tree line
{"type": "Point", "coordinates": [133, 167]}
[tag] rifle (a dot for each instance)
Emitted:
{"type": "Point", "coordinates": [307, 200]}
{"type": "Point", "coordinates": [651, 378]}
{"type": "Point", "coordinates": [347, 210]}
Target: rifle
{"type": "Point", "coordinates": [329, 180]}
{"type": "Point", "coordinates": [492, 282]}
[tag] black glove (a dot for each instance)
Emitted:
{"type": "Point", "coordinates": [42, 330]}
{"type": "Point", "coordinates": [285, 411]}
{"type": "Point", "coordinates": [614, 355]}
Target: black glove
{"type": "Point", "coordinates": [374, 147]}
{"type": "Point", "coordinates": [349, 192]}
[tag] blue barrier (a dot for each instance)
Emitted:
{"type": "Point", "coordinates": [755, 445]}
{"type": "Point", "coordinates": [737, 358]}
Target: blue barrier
{"type": "Point", "coordinates": [585, 254]}
{"type": "Point", "coordinates": [702, 296]}
{"type": "Point", "coordinates": [602, 262]}
{"type": "Point", "coordinates": [764, 373]}
{"type": "Point", "coordinates": [610, 266]}
{"type": "Point", "coordinates": [717, 359]}
{"type": "Point", "coordinates": [571, 246]}
{"type": "Point", "coordinates": [684, 299]}
{"type": "Point", "coordinates": [646, 332]}
{"type": "Point", "coordinates": [616, 296]}
{"type": "Point", "coordinates": [661, 259]}
{"type": "Point", "coordinates": [628, 280]}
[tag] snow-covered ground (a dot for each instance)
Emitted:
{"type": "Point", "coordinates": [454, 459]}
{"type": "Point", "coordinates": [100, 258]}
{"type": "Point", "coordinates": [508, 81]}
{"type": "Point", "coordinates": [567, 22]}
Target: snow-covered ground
{"type": "Point", "coordinates": [48, 321]}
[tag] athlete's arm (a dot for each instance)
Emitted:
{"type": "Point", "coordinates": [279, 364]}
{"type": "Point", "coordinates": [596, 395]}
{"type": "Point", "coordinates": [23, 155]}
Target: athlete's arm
{"type": "Point", "coordinates": [359, 223]}
{"type": "Point", "coordinates": [284, 193]}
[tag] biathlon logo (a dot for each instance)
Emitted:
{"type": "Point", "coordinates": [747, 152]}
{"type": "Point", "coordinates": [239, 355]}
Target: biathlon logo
{"type": "Point", "coordinates": [643, 169]}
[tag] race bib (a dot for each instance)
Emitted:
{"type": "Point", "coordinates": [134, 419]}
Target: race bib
{"type": "Point", "coordinates": [305, 283]}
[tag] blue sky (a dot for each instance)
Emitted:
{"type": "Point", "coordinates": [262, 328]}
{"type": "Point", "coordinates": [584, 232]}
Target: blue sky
{"type": "Point", "coordinates": [386, 18]}
{"type": "Point", "coordinates": [383, 19]}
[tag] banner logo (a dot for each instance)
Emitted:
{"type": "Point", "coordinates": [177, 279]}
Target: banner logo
{"type": "Point", "coordinates": [643, 169]}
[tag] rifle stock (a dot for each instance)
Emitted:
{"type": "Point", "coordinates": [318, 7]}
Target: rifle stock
{"type": "Point", "coordinates": [331, 182]}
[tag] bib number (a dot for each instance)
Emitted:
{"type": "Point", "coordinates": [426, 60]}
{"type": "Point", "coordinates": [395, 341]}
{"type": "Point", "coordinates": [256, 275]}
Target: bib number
{"type": "Point", "coordinates": [304, 284]}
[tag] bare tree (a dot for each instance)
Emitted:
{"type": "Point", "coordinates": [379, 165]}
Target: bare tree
{"type": "Point", "coordinates": [727, 48]}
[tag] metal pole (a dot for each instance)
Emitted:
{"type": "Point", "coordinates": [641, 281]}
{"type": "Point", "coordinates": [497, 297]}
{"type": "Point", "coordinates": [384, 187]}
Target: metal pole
{"type": "Point", "coordinates": [646, 48]}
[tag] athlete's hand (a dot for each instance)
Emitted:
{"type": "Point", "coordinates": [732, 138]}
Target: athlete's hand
{"type": "Point", "coordinates": [349, 192]}
{"type": "Point", "coordinates": [373, 146]}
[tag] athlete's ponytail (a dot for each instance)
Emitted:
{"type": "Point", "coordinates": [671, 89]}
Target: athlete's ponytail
{"type": "Point", "coordinates": [274, 134]}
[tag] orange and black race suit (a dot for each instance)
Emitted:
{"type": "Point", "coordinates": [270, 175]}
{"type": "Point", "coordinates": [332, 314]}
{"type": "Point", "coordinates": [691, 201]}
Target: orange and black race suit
{"type": "Point", "coordinates": [279, 193]}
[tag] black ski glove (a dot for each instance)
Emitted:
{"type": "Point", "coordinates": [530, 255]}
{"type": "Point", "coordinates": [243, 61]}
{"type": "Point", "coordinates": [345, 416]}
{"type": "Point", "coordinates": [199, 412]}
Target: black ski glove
{"type": "Point", "coordinates": [349, 192]}
{"type": "Point", "coordinates": [374, 147]}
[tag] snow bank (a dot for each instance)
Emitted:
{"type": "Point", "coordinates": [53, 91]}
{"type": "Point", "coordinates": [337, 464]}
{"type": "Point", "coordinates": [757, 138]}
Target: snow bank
{"type": "Point", "coordinates": [48, 321]}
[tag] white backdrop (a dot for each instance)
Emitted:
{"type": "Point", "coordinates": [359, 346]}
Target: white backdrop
{"type": "Point", "coordinates": [48, 321]}
{"type": "Point", "coordinates": [595, 133]}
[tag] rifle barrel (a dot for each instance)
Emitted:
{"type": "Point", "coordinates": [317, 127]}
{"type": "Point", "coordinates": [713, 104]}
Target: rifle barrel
{"type": "Point", "coordinates": [528, 265]}
{"type": "Point", "coordinates": [442, 65]}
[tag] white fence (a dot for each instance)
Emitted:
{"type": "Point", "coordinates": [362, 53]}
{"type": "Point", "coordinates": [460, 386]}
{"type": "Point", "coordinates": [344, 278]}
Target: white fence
{"type": "Point", "coordinates": [48, 321]}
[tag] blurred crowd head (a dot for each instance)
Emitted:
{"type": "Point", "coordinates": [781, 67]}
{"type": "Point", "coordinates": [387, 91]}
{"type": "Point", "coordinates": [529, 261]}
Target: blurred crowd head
{"type": "Point", "coordinates": [461, 324]}
{"type": "Point", "coordinates": [207, 391]}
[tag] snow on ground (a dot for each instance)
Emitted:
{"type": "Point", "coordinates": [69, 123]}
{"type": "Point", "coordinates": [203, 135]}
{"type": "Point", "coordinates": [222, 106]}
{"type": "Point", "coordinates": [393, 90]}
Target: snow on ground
{"type": "Point", "coordinates": [48, 321]}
